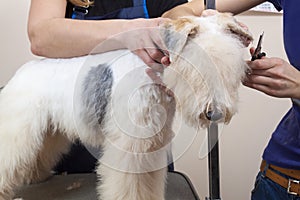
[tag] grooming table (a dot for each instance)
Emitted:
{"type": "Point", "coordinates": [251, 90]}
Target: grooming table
{"type": "Point", "coordinates": [82, 187]}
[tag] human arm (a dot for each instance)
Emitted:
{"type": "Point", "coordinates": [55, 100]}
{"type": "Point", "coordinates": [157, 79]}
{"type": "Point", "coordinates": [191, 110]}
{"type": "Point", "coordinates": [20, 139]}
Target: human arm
{"type": "Point", "coordinates": [195, 7]}
{"type": "Point", "coordinates": [275, 77]}
{"type": "Point", "coordinates": [52, 35]}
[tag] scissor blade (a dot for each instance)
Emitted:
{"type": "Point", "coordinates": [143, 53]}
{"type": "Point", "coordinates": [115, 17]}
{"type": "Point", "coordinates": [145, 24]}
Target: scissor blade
{"type": "Point", "coordinates": [260, 41]}
{"type": "Point", "coordinates": [258, 48]}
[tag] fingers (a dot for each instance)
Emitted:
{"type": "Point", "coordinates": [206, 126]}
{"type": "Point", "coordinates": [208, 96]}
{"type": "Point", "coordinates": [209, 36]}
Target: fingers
{"type": "Point", "coordinates": [147, 42]}
{"type": "Point", "coordinates": [264, 63]}
{"type": "Point", "coordinates": [209, 12]}
{"type": "Point", "coordinates": [160, 20]}
{"type": "Point", "coordinates": [165, 61]}
{"type": "Point", "coordinates": [252, 50]}
{"type": "Point", "coordinates": [155, 54]}
{"type": "Point", "coordinates": [269, 86]}
{"type": "Point", "coordinates": [258, 79]}
{"type": "Point", "coordinates": [263, 88]}
{"type": "Point", "coordinates": [262, 68]}
{"type": "Point", "coordinates": [260, 75]}
{"type": "Point", "coordinates": [159, 51]}
{"type": "Point", "coordinates": [153, 58]}
{"type": "Point", "coordinates": [273, 76]}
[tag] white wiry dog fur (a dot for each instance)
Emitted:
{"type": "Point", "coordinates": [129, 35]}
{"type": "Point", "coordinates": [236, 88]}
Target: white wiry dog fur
{"type": "Point", "coordinates": [107, 100]}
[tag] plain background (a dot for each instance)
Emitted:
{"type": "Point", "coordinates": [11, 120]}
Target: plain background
{"type": "Point", "coordinates": [242, 141]}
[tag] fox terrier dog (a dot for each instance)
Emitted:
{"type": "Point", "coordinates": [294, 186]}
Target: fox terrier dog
{"type": "Point", "coordinates": [107, 101]}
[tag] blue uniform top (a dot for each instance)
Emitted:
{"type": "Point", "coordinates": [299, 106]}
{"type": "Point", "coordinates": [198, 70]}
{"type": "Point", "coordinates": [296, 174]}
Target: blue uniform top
{"type": "Point", "coordinates": [283, 149]}
{"type": "Point", "coordinates": [122, 9]}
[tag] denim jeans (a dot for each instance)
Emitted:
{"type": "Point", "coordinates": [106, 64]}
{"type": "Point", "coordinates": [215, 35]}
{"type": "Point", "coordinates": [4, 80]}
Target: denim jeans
{"type": "Point", "coordinates": [266, 189]}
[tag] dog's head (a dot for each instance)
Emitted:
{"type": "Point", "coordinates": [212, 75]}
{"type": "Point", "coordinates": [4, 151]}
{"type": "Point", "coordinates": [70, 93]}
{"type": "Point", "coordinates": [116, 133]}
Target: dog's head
{"type": "Point", "coordinates": [177, 33]}
{"type": "Point", "coordinates": [207, 65]}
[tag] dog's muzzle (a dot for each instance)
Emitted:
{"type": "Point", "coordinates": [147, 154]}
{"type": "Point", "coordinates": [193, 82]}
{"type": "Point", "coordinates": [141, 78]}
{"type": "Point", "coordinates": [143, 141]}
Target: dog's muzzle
{"type": "Point", "coordinates": [215, 113]}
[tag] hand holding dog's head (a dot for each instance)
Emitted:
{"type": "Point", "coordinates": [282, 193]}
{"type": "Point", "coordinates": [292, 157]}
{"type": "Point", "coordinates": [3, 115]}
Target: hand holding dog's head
{"type": "Point", "coordinates": [207, 54]}
{"type": "Point", "coordinates": [175, 33]}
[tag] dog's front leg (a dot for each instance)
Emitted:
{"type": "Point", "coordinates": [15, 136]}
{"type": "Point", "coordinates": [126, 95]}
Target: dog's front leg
{"type": "Point", "coordinates": [133, 168]}
{"type": "Point", "coordinates": [134, 161]}
{"type": "Point", "coordinates": [120, 185]}
{"type": "Point", "coordinates": [136, 147]}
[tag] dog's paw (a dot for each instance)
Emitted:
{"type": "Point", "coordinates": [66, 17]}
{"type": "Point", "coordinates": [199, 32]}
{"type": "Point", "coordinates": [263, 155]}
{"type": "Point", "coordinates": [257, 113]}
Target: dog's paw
{"type": "Point", "coordinates": [38, 177]}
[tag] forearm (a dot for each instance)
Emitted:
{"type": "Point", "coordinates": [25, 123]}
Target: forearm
{"type": "Point", "coordinates": [236, 6]}
{"type": "Point", "coordinates": [52, 35]}
{"type": "Point", "coordinates": [68, 38]}
{"type": "Point", "coordinates": [195, 7]}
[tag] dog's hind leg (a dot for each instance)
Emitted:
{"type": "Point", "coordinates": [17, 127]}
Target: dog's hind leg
{"type": "Point", "coordinates": [27, 156]}
{"type": "Point", "coordinates": [19, 146]}
{"type": "Point", "coordinates": [54, 146]}
{"type": "Point", "coordinates": [23, 125]}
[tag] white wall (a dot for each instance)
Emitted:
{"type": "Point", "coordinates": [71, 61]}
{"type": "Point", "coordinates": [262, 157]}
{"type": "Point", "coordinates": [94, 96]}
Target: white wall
{"type": "Point", "coordinates": [242, 141]}
{"type": "Point", "coordinates": [14, 48]}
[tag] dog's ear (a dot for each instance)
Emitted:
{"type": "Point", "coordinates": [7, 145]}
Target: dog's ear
{"type": "Point", "coordinates": [175, 34]}
{"type": "Point", "coordinates": [240, 30]}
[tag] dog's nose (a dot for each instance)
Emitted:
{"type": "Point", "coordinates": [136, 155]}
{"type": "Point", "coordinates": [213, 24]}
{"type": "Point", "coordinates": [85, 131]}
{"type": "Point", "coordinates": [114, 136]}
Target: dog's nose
{"type": "Point", "coordinates": [214, 113]}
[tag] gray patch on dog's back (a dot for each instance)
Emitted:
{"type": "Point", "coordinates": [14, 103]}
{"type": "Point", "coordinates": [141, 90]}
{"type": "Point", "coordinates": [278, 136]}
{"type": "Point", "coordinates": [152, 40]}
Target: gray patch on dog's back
{"type": "Point", "coordinates": [97, 91]}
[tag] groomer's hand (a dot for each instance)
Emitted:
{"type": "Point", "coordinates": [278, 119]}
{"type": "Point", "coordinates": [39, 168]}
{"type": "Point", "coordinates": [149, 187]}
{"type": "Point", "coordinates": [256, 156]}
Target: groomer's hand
{"type": "Point", "coordinates": [209, 12]}
{"type": "Point", "coordinates": [273, 76]}
{"type": "Point", "coordinates": [143, 39]}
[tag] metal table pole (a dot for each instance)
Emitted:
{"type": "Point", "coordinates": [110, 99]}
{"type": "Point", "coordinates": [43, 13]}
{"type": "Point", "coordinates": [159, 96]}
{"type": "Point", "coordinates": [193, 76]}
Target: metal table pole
{"type": "Point", "coordinates": [213, 162]}
{"type": "Point", "coordinates": [210, 4]}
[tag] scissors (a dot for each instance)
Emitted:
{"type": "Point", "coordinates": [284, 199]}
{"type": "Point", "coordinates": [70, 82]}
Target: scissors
{"type": "Point", "coordinates": [257, 53]}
